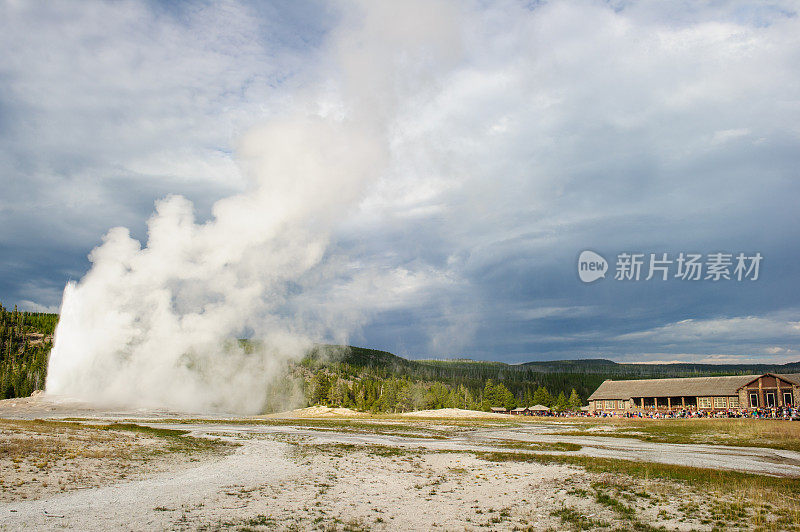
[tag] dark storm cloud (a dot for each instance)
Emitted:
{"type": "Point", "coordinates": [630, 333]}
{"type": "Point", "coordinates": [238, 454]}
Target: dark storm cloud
{"type": "Point", "coordinates": [622, 127]}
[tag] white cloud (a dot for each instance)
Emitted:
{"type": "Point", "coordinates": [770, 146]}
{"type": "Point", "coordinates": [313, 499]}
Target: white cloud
{"type": "Point", "coordinates": [720, 137]}
{"type": "Point", "coordinates": [537, 313]}
{"type": "Point", "coordinates": [108, 104]}
{"type": "Point", "coordinates": [749, 328]}
{"type": "Point", "coordinates": [513, 136]}
{"type": "Point", "coordinates": [766, 357]}
{"type": "Point", "coordinates": [31, 306]}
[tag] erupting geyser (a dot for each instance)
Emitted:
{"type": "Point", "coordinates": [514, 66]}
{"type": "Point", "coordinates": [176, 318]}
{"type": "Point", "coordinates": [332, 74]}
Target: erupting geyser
{"type": "Point", "coordinates": [153, 326]}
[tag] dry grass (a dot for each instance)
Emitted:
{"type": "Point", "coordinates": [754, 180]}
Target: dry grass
{"type": "Point", "coordinates": [773, 434]}
{"type": "Point", "coordinates": [39, 458]}
{"type": "Point", "coordinates": [726, 498]}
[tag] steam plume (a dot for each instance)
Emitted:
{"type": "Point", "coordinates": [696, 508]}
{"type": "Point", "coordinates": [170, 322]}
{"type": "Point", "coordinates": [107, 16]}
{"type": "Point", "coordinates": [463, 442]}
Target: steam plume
{"type": "Point", "coordinates": [153, 325]}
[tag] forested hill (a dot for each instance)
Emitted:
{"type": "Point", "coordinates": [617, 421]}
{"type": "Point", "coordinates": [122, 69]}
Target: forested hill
{"type": "Point", "coordinates": [437, 369]}
{"type": "Point", "coordinates": [368, 379]}
{"type": "Point", "coordinates": [644, 371]}
{"type": "Point", "coordinates": [25, 342]}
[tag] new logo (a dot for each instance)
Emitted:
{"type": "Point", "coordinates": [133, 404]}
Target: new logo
{"type": "Point", "coordinates": [591, 266]}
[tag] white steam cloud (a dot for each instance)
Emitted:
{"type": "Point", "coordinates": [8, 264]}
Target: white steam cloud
{"type": "Point", "coordinates": [155, 326]}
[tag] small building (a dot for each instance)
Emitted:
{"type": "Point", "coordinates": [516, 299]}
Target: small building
{"type": "Point", "coordinates": [520, 411]}
{"type": "Point", "coordinates": [498, 410]}
{"type": "Point", "coordinates": [539, 410]}
{"type": "Point", "coordinates": [698, 393]}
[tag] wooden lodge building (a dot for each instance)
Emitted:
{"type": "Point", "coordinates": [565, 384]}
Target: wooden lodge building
{"type": "Point", "coordinates": [698, 393]}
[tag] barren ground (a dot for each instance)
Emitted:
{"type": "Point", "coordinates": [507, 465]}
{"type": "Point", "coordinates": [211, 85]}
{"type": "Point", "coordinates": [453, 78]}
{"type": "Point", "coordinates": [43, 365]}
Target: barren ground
{"type": "Point", "coordinates": [330, 472]}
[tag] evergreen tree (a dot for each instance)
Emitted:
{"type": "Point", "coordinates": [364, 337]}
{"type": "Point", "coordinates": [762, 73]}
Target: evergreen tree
{"type": "Point", "coordinates": [489, 396]}
{"type": "Point", "coordinates": [527, 397]}
{"type": "Point", "coordinates": [25, 343]}
{"type": "Point", "coordinates": [404, 398]}
{"type": "Point", "coordinates": [319, 388]}
{"type": "Point", "coordinates": [561, 404]}
{"type": "Point", "coordinates": [504, 397]}
{"type": "Point", "coordinates": [575, 402]}
{"type": "Point", "coordinates": [337, 393]}
{"type": "Point", "coordinates": [542, 397]}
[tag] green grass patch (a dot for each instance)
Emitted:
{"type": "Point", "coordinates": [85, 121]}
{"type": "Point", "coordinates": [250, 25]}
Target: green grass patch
{"type": "Point", "coordinates": [177, 439]}
{"type": "Point", "coordinates": [615, 504]}
{"type": "Point", "coordinates": [382, 432]}
{"type": "Point", "coordinates": [142, 429]}
{"type": "Point", "coordinates": [537, 446]}
{"type": "Point", "coordinates": [343, 449]}
{"type": "Point", "coordinates": [578, 521]}
{"type": "Point", "coordinates": [378, 425]}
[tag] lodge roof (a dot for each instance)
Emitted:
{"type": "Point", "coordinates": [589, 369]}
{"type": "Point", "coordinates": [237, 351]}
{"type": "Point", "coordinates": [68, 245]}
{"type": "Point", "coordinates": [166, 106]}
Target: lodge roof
{"type": "Point", "coordinates": [791, 377]}
{"type": "Point", "coordinates": [685, 386]}
{"type": "Point", "coordinates": [539, 408]}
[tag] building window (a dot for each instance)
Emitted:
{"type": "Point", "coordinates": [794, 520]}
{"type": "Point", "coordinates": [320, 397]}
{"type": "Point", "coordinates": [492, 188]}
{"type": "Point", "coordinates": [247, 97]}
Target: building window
{"type": "Point", "coordinates": [610, 405]}
{"type": "Point", "coordinates": [770, 397]}
{"type": "Point", "coordinates": [719, 402]}
{"type": "Point", "coordinates": [621, 405]}
{"type": "Point", "coordinates": [704, 402]}
{"type": "Point", "coordinates": [733, 402]}
{"type": "Point", "coordinates": [788, 400]}
{"type": "Point", "coordinates": [753, 400]}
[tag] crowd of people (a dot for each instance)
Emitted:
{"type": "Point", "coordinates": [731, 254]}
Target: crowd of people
{"type": "Point", "coordinates": [786, 413]}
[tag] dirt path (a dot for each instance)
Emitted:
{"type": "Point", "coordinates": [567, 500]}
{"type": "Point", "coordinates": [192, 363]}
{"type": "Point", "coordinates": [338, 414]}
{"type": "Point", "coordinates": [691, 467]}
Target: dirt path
{"type": "Point", "coordinates": [161, 501]}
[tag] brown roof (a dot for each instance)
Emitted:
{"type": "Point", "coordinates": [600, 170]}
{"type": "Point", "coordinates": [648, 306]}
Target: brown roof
{"type": "Point", "coordinates": [791, 377]}
{"type": "Point", "coordinates": [539, 408]}
{"type": "Point", "coordinates": [686, 386]}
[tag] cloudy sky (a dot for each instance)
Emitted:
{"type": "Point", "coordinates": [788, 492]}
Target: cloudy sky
{"type": "Point", "coordinates": [519, 134]}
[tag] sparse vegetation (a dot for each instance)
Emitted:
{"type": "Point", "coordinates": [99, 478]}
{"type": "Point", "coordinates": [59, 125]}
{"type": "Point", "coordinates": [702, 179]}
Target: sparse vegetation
{"type": "Point", "coordinates": [578, 521]}
{"type": "Point", "coordinates": [43, 457]}
{"type": "Point", "coordinates": [594, 494]}
{"type": "Point", "coordinates": [694, 476]}
{"type": "Point", "coordinates": [773, 434]}
{"type": "Point", "coordinates": [538, 446]}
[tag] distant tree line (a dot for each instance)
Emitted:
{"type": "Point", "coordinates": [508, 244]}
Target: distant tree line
{"type": "Point", "coordinates": [25, 342]}
{"type": "Point", "coordinates": [376, 381]}
{"type": "Point", "coordinates": [393, 395]}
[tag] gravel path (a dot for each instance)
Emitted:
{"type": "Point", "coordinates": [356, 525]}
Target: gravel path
{"type": "Point", "coordinates": [152, 503]}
